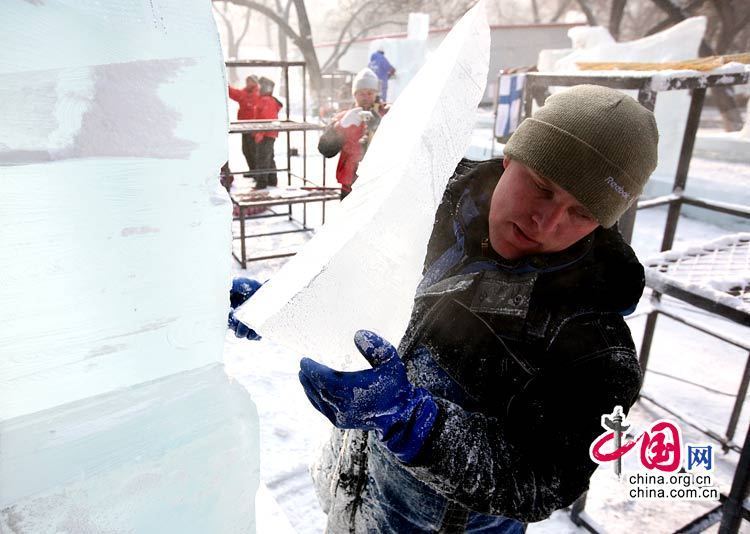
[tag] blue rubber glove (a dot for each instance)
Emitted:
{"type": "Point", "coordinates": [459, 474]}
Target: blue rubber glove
{"type": "Point", "coordinates": [240, 329]}
{"type": "Point", "coordinates": [242, 289]}
{"type": "Point", "coordinates": [380, 399]}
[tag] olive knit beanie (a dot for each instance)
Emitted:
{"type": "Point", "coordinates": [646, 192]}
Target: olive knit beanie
{"type": "Point", "coordinates": [596, 143]}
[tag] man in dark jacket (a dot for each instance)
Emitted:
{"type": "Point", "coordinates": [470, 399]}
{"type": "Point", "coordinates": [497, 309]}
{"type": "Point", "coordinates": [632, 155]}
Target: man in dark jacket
{"type": "Point", "coordinates": [483, 418]}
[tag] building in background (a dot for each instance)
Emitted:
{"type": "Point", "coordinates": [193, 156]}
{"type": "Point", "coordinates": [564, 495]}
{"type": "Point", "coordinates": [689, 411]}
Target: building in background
{"type": "Point", "coordinates": [512, 46]}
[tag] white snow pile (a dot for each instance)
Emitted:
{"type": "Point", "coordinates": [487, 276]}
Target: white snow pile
{"type": "Point", "coordinates": [361, 270]}
{"type": "Point", "coordinates": [115, 411]}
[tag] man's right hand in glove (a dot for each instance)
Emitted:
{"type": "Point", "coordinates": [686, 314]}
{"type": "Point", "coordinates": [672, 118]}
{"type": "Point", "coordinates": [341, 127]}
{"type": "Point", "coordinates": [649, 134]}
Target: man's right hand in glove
{"type": "Point", "coordinates": [242, 289]}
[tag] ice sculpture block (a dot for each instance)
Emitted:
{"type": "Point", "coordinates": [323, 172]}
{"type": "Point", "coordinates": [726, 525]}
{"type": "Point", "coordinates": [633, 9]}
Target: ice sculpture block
{"type": "Point", "coordinates": [115, 270]}
{"type": "Point", "coordinates": [165, 456]}
{"type": "Point", "coordinates": [361, 270]}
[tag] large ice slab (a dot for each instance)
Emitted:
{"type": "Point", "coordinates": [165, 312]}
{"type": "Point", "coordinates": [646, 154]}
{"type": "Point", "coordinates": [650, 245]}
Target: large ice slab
{"type": "Point", "coordinates": [115, 411]}
{"type": "Point", "coordinates": [113, 228]}
{"type": "Point", "coordinates": [361, 270]}
{"type": "Point", "coordinates": [179, 454]}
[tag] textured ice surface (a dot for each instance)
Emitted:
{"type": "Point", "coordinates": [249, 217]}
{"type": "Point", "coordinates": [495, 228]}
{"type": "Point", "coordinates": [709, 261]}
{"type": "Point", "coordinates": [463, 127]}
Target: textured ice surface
{"type": "Point", "coordinates": [179, 454]}
{"type": "Point", "coordinates": [113, 229]}
{"type": "Point", "coordinates": [361, 270]}
{"type": "Point", "coordinates": [679, 42]}
{"type": "Point", "coordinates": [115, 413]}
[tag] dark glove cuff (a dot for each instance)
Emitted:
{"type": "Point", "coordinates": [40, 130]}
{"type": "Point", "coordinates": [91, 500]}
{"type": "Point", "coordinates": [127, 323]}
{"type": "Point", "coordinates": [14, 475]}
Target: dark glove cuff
{"type": "Point", "coordinates": [406, 437]}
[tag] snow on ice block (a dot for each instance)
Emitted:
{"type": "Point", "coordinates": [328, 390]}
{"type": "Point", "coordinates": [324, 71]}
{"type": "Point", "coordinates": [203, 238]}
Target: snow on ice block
{"type": "Point", "coordinates": [361, 270]}
{"type": "Point", "coordinates": [179, 454]}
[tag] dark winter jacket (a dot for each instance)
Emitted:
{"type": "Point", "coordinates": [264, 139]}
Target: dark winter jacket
{"type": "Point", "coordinates": [523, 358]}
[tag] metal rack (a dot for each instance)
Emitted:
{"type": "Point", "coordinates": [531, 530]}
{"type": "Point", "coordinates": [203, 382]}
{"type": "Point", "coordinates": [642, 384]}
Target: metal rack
{"type": "Point", "coordinates": [662, 275]}
{"type": "Point", "coordinates": [306, 190]}
{"type": "Point", "coordinates": [688, 277]}
{"type": "Point", "coordinates": [333, 101]}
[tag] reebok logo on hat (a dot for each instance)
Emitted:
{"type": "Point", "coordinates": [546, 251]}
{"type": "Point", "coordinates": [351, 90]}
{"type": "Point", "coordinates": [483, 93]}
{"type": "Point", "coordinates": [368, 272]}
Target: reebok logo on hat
{"type": "Point", "coordinates": [620, 190]}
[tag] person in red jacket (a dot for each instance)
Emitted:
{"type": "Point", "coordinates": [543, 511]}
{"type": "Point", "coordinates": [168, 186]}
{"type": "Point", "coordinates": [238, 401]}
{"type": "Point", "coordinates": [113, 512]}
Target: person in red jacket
{"type": "Point", "coordinates": [268, 108]}
{"type": "Point", "coordinates": [351, 130]}
{"type": "Point", "coordinates": [247, 98]}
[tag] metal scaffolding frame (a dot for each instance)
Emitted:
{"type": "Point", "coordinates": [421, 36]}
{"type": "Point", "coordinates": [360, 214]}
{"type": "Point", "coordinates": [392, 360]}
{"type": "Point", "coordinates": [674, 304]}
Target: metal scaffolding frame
{"type": "Point", "coordinates": [308, 190]}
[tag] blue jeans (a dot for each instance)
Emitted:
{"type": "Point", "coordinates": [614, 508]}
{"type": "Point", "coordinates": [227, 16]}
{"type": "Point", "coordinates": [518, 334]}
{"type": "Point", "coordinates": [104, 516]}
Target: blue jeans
{"type": "Point", "coordinates": [393, 501]}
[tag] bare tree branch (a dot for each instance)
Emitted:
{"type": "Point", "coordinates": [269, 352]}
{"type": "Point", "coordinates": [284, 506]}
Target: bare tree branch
{"type": "Point", "coordinates": [615, 17]}
{"type": "Point", "coordinates": [560, 10]}
{"type": "Point", "coordinates": [677, 14]}
{"type": "Point", "coordinates": [231, 52]}
{"type": "Point", "coordinates": [281, 35]}
{"type": "Point", "coordinates": [729, 29]}
{"type": "Point", "coordinates": [743, 22]}
{"type": "Point", "coordinates": [535, 11]}
{"type": "Point", "coordinates": [223, 18]}
{"type": "Point", "coordinates": [587, 11]}
{"type": "Point", "coordinates": [335, 54]}
{"type": "Point", "coordinates": [244, 30]}
{"type": "Point", "coordinates": [673, 10]}
{"type": "Point", "coordinates": [354, 38]}
{"type": "Point", "coordinates": [271, 14]}
{"type": "Point", "coordinates": [302, 40]}
{"type": "Point", "coordinates": [672, 19]}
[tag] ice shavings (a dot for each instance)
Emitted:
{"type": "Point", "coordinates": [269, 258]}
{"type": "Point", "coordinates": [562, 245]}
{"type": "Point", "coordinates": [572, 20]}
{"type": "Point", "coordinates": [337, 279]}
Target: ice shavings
{"type": "Point", "coordinates": [361, 270]}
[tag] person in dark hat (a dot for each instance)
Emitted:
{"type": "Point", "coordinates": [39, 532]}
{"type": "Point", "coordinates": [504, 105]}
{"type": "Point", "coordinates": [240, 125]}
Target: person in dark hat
{"type": "Point", "coordinates": [267, 108]}
{"type": "Point", "coordinates": [482, 419]}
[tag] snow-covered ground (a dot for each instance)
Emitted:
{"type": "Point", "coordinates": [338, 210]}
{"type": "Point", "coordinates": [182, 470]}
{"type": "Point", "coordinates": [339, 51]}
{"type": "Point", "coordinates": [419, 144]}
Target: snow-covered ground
{"type": "Point", "coordinates": [291, 429]}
